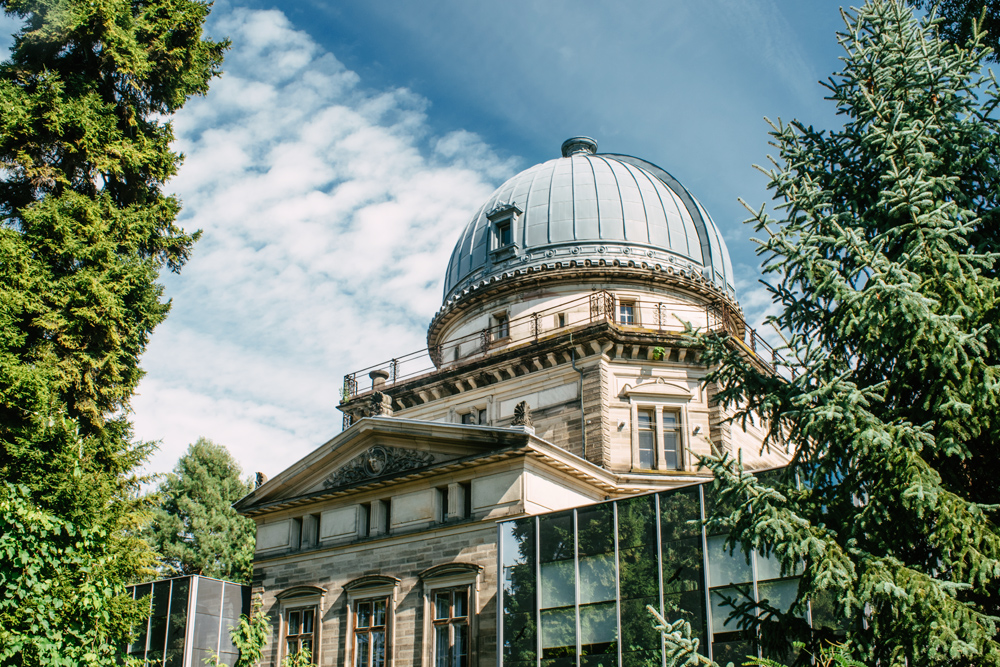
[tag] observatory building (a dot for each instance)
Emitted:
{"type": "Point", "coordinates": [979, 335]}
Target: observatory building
{"type": "Point", "coordinates": [517, 492]}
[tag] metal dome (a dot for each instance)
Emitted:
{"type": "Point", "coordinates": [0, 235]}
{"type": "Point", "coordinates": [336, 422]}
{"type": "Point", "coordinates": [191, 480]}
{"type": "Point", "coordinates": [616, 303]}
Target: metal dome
{"type": "Point", "coordinates": [588, 206]}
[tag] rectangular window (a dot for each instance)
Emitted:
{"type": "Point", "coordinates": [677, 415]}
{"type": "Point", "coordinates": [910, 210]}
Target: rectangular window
{"type": "Point", "coordinates": [466, 499]}
{"type": "Point", "coordinates": [647, 438]}
{"type": "Point", "coordinates": [451, 627]}
{"type": "Point", "coordinates": [504, 235]}
{"type": "Point", "coordinates": [299, 632]}
{"type": "Point", "coordinates": [502, 326]}
{"type": "Point", "coordinates": [626, 312]}
{"type": "Point", "coordinates": [561, 320]}
{"type": "Point", "coordinates": [442, 502]}
{"type": "Point", "coordinates": [370, 638]}
{"type": "Point", "coordinates": [482, 417]}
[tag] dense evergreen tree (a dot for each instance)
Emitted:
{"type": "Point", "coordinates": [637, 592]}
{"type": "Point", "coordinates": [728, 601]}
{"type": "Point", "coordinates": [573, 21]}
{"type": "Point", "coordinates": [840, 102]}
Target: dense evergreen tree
{"type": "Point", "coordinates": [959, 16]}
{"type": "Point", "coordinates": [885, 252]}
{"type": "Point", "coordinates": [195, 528]}
{"type": "Point", "coordinates": [84, 231]}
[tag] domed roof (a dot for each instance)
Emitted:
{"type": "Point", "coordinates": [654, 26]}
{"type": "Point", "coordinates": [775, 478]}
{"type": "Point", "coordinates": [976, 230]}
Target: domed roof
{"type": "Point", "coordinates": [592, 206]}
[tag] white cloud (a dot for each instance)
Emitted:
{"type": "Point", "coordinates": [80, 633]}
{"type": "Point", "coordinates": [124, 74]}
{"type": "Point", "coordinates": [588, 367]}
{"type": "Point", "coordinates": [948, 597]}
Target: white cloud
{"type": "Point", "coordinates": [329, 212]}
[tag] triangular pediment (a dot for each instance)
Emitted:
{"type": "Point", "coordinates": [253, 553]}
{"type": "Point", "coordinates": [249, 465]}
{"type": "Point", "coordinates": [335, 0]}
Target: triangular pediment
{"type": "Point", "coordinates": [378, 450]}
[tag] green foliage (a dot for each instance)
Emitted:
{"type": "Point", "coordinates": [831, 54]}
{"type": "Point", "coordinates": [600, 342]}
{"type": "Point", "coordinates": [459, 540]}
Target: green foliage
{"type": "Point", "coordinates": [885, 253]}
{"type": "Point", "coordinates": [195, 528]}
{"type": "Point", "coordinates": [960, 19]}
{"type": "Point", "coordinates": [301, 659]}
{"type": "Point", "coordinates": [681, 648]}
{"type": "Point", "coordinates": [250, 637]}
{"type": "Point", "coordinates": [84, 231]}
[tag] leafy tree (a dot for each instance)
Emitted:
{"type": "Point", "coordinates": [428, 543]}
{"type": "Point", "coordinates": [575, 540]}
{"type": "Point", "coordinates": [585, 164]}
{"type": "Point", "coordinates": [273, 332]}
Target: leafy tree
{"type": "Point", "coordinates": [958, 18]}
{"type": "Point", "coordinates": [885, 251]}
{"type": "Point", "coordinates": [84, 231]}
{"type": "Point", "coordinates": [195, 528]}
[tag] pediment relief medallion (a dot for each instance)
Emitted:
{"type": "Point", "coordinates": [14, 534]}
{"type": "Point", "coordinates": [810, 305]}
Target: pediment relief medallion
{"type": "Point", "coordinates": [378, 461]}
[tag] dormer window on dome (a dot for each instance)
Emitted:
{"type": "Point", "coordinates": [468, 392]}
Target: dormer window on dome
{"type": "Point", "coordinates": [502, 232]}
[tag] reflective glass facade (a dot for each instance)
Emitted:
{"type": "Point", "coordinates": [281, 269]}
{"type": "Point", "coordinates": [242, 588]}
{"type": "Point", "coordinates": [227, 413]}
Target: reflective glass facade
{"type": "Point", "coordinates": [574, 585]}
{"type": "Point", "coordinates": [190, 619]}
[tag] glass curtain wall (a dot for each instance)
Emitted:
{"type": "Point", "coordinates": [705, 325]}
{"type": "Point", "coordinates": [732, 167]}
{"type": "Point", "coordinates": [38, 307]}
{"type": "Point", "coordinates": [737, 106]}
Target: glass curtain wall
{"type": "Point", "coordinates": [575, 584]}
{"type": "Point", "coordinates": [173, 637]}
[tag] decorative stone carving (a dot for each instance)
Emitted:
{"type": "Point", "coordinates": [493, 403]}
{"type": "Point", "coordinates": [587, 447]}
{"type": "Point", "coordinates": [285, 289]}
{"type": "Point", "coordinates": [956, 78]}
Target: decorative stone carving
{"type": "Point", "coordinates": [261, 478]}
{"type": "Point", "coordinates": [377, 462]}
{"type": "Point", "coordinates": [522, 415]}
{"type": "Point", "coordinates": [379, 405]}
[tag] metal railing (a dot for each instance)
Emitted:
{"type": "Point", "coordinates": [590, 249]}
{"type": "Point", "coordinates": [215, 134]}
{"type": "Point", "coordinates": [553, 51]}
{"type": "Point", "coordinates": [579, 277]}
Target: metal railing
{"type": "Point", "coordinates": [602, 306]}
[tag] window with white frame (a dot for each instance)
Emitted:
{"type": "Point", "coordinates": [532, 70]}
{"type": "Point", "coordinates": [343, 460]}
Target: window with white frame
{"type": "Point", "coordinates": [657, 437]}
{"type": "Point", "coordinates": [451, 627]}
{"type": "Point", "coordinates": [626, 312]}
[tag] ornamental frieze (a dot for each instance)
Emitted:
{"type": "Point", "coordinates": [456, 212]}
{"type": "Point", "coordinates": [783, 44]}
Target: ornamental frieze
{"type": "Point", "coordinates": [377, 462]}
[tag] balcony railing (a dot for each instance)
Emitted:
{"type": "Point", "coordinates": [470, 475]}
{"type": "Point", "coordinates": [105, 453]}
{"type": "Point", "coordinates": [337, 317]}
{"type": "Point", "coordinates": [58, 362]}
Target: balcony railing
{"type": "Point", "coordinates": [602, 306]}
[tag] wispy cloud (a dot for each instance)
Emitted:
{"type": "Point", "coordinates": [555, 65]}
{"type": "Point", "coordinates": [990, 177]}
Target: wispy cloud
{"type": "Point", "coordinates": [329, 211]}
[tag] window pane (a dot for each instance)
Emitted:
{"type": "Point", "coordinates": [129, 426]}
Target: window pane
{"type": "Point", "coordinates": [307, 621]}
{"type": "Point", "coordinates": [638, 576]}
{"type": "Point", "coordinates": [364, 614]}
{"type": "Point", "coordinates": [597, 578]}
{"type": "Point", "coordinates": [361, 649]}
{"type": "Point", "coordinates": [598, 628]}
{"type": "Point", "coordinates": [461, 603]}
{"type": "Point", "coordinates": [726, 568]}
{"type": "Point", "coordinates": [683, 566]}
{"type": "Point", "coordinates": [461, 650]}
{"type": "Point", "coordinates": [441, 646]}
{"type": "Point", "coordinates": [723, 602]}
{"type": "Point", "coordinates": [306, 645]}
{"type": "Point", "coordinates": [646, 419]}
{"type": "Point", "coordinates": [378, 648]}
{"type": "Point", "coordinates": [557, 584]}
{"type": "Point", "coordinates": [689, 606]}
{"type": "Point", "coordinates": [442, 602]}
{"type": "Point", "coordinates": [636, 522]}
{"type": "Point", "coordinates": [680, 512]}
{"type": "Point", "coordinates": [637, 631]}
{"type": "Point", "coordinates": [178, 623]}
{"type": "Point", "coordinates": [518, 589]}
{"type": "Point", "coordinates": [646, 447]}
{"type": "Point", "coordinates": [468, 418]}
{"type": "Point", "coordinates": [291, 647]}
{"type": "Point", "coordinates": [558, 632]}
{"type": "Point", "coordinates": [293, 622]}
{"type": "Point", "coordinates": [779, 594]}
{"type": "Point", "coordinates": [669, 419]}
{"type": "Point", "coordinates": [378, 613]}
{"type": "Point", "coordinates": [596, 527]}
{"type": "Point", "coordinates": [670, 450]}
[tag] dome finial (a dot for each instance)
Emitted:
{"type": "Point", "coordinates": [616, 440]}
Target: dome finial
{"type": "Point", "coordinates": [579, 146]}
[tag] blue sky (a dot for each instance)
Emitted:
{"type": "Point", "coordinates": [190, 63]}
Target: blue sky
{"type": "Point", "coordinates": [334, 164]}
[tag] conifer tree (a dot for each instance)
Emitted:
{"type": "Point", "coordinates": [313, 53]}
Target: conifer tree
{"type": "Point", "coordinates": [195, 528]}
{"type": "Point", "coordinates": [84, 231]}
{"type": "Point", "coordinates": [884, 252]}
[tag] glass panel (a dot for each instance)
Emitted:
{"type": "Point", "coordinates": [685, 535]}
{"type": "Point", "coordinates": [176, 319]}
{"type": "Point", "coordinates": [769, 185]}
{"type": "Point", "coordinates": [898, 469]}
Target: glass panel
{"type": "Point", "coordinates": [641, 659]}
{"type": "Point", "coordinates": [519, 631]}
{"type": "Point", "coordinates": [558, 633]}
{"type": "Point", "coordinates": [178, 623]}
{"type": "Point", "coordinates": [646, 420]}
{"type": "Point", "coordinates": [646, 449]}
{"type": "Point", "coordinates": [232, 603]}
{"type": "Point", "coordinates": [206, 631]}
{"type": "Point", "coordinates": [683, 566]}
{"type": "Point", "coordinates": [519, 638]}
{"type": "Point", "coordinates": [291, 647]}
{"type": "Point", "coordinates": [724, 602]}
{"type": "Point", "coordinates": [306, 645]}
{"type": "Point", "coordinates": [378, 648]}
{"type": "Point", "coordinates": [598, 629]}
{"type": "Point", "coordinates": [670, 450]}
{"type": "Point", "coordinates": [725, 567]}
{"type": "Point", "coordinates": [735, 651]}
{"type": "Point", "coordinates": [636, 522]}
{"type": "Point", "coordinates": [361, 649]}
{"type": "Point", "coordinates": [378, 613]}
{"type": "Point", "coordinates": [778, 594]}
{"type": "Point", "coordinates": [138, 647]}
{"type": "Point", "coordinates": [293, 622]}
{"type": "Point", "coordinates": [557, 584]}
{"type": "Point", "coordinates": [556, 539]}
{"type": "Point", "coordinates": [638, 577]}
{"type": "Point", "coordinates": [597, 579]}
{"type": "Point", "coordinates": [596, 530]}
{"type": "Point", "coordinates": [364, 618]}
{"type": "Point", "coordinates": [689, 606]}
{"type": "Point", "coordinates": [442, 604]}
{"type": "Point", "coordinates": [669, 419]}
{"type": "Point", "coordinates": [461, 650]}
{"type": "Point", "coordinates": [461, 603]}
{"type": "Point", "coordinates": [307, 621]}
{"type": "Point", "coordinates": [680, 512]}
{"type": "Point", "coordinates": [441, 646]}
{"type": "Point", "coordinates": [638, 633]}
{"type": "Point", "coordinates": [209, 596]}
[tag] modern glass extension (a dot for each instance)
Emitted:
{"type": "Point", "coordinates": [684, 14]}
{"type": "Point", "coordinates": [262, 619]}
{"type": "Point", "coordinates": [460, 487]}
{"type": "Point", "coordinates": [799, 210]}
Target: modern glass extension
{"type": "Point", "coordinates": [575, 584]}
{"type": "Point", "coordinates": [189, 620]}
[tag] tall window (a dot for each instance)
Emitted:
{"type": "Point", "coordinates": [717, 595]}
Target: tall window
{"type": "Point", "coordinates": [504, 235]}
{"type": "Point", "coordinates": [626, 312]}
{"type": "Point", "coordinates": [451, 628]}
{"type": "Point", "coordinates": [502, 326]}
{"type": "Point", "coordinates": [370, 636]}
{"type": "Point", "coordinates": [647, 439]}
{"type": "Point", "coordinates": [299, 631]}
